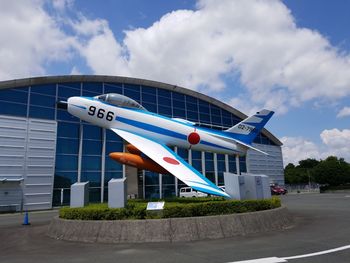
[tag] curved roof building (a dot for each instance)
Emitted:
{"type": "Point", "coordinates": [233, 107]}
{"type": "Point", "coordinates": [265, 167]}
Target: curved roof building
{"type": "Point", "coordinates": [49, 149]}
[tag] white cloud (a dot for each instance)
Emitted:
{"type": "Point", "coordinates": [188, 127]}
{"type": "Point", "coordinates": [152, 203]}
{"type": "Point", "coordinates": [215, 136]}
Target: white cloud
{"type": "Point", "coordinates": [335, 142]}
{"type": "Point", "coordinates": [344, 112]}
{"type": "Point", "coordinates": [297, 148]}
{"type": "Point", "coordinates": [338, 141]}
{"type": "Point", "coordinates": [30, 39]}
{"type": "Point", "coordinates": [279, 64]}
{"type": "Point", "coordinates": [62, 5]}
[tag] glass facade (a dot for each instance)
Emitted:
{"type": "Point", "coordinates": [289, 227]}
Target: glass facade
{"type": "Point", "coordinates": [82, 149]}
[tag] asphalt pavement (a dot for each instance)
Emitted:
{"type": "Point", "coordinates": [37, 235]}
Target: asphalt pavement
{"type": "Point", "coordinates": [322, 227]}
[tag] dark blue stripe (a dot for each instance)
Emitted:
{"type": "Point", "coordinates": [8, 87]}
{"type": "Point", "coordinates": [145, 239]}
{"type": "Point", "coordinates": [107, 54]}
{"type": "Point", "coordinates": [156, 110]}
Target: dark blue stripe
{"type": "Point", "coordinates": [152, 128]}
{"type": "Point", "coordinates": [78, 106]}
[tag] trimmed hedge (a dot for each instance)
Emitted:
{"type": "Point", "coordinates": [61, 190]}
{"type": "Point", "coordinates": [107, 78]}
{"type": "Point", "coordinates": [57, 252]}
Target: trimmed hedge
{"type": "Point", "coordinates": [184, 207]}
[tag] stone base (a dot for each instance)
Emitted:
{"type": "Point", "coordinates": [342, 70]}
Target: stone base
{"type": "Point", "coordinates": [171, 229]}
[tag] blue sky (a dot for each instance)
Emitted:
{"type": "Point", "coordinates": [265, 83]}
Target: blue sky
{"type": "Point", "coordinates": [291, 56]}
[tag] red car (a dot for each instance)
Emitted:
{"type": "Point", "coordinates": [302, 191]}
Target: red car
{"type": "Point", "coordinates": [278, 190]}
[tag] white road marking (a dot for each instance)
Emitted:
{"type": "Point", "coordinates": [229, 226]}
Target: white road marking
{"type": "Point", "coordinates": [285, 259]}
{"type": "Point", "coordinates": [263, 260]}
{"type": "Point", "coordinates": [319, 253]}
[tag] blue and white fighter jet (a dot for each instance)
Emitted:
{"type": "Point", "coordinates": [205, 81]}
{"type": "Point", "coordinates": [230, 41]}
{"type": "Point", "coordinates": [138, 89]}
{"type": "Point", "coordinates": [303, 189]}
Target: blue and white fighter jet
{"type": "Point", "coordinates": [153, 134]}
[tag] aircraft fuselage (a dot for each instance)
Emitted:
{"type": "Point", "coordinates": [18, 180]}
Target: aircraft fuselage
{"type": "Point", "coordinates": [153, 126]}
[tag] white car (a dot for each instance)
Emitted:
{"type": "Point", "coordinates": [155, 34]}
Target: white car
{"type": "Point", "coordinates": [189, 192]}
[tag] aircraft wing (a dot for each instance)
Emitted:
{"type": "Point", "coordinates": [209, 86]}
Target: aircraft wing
{"type": "Point", "coordinates": [172, 162]}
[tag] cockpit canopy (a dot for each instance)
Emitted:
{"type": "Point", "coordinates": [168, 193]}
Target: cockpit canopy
{"type": "Point", "coordinates": [120, 101]}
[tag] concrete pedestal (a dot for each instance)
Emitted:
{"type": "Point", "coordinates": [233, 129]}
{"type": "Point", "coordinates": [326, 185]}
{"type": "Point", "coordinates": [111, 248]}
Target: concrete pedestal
{"type": "Point", "coordinates": [117, 190]}
{"type": "Point", "coordinates": [253, 186]}
{"type": "Point", "coordinates": [234, 185]}
{"type": "Point", "coordinates": [265, 180]}
{"type": "Point", "coordinates": [79, 194]}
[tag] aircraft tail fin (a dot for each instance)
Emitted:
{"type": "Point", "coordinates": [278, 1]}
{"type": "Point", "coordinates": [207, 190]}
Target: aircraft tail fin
{"type": "Point", "coordinates": [247, 130]}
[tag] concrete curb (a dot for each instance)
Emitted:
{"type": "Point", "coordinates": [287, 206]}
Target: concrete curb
{"type": "Point", "coordinates": [171, 229]}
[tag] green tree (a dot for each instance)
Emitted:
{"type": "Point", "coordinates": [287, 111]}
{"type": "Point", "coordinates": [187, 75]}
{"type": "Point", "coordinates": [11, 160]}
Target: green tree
{"type": "Point", "coordinates": [300, 174]}
{"type": "Point", "coordinates": [332, 171]}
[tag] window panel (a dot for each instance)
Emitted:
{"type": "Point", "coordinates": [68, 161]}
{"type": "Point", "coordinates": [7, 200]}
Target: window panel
{"type": "Point", "coordinates": [151, 192]}
{"type": "Point", "coordinates": [215, 110]}
{"type": "Point", "coordinates": [65, 116]}
{"type": "Point", "coordinates": [183, 153]}
{"type": "Point", "coordinates": [13, 96]}
{"type": "Point", "coordinates": [150, 107]}
{"type": "Point", "coordinates": [164, 110]}
{"type": "Point", "coordinates": [168, 191]}
{"type": "Point", "coordinates": [92, 132]}
{"type": "Point", "coordinates": [196, 155]}
{"type": "Point", "coordinates": [192, 107]}
{"type": "Point", "coordinates": [90, 94]}
{"type": "Point", "coordinates": [210, 176]}
{"type": "Point", "coordinates": [112, 165]}
{"type": "Point", "coordinates": [227, 122]}
{"type": "Point", "coordinates": [164, 93]}
{"type": "Point", "coordinates": [179, 104]}
{"type": "Point", "coordinates": [197, 164]}
{"type": "Point", "coordinates": [68, 129]}
{"type": "Point", "coordinates": [41, 112]}
{"type": "Point", "coordinates": [42, 100]}
{"type": "Point", "coordinates": [91, 163]}
{"type": "Point", "coordinates": [66, 162]}
{"type": "Point", "coordinates": [190, 99]}
{"type": "Point", "coordinates": [216, 120]}
{"type": "Point", "coordinates": [151, 178]}
{"type": "Point", "coordinates": [132, 94]}
{"type": "Point", "coordinates": [113, 88]}
{"type": "Point", "coordinates": [168, 179]}
{"type": "Point", "coordinates": [65, 179]}
{"type": "Point", "coordinates": [149, 90]}
{"type": "Point", "coordinates": [65, 92]}
{"type": "Point", "coordinates": [94, 178]}
{"type": "Point", "coordinates": [179, 113]}
{"type": "Point", "coordinates": [92, 147]}
{"type": "Point", "coordinates": [164, 101]}
{"type": "Point", "coordinates": [110, 175]}
{"type": "Point", "coordinates": [47, 89]}
{"type": "Point", "coordinates": [178, 96]}
{"type": "Point", "coordinates": [13, 109]}
{"type": "Point", "coordinates": [149, 98]}
{"type": "Point", "coordinates": [95, 87]}
{"type": "Point", "coordinates": [205, 118]}
{"type": "Point", "coordinates": [132, 87]}
{"type": "Point", "coordinates": [114, 147]}
{"type": "Point", "coordinates": [67, 145]}
{"type": "Point", "coordinates": [112, 136]}
{"type": "Point", "coordinates": [193, 116]}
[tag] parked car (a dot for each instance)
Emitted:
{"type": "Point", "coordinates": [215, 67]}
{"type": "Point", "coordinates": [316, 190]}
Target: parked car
{"type": "Point", "coordinates": [189, 192]}
{"type": "Point", "coordinates": [277, 190]}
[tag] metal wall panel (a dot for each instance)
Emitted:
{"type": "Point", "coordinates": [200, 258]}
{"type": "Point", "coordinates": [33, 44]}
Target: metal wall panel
{"type": "Point", "coordinates": [270, 165]}
{"type": "Point", "coordinates": [28, 150]}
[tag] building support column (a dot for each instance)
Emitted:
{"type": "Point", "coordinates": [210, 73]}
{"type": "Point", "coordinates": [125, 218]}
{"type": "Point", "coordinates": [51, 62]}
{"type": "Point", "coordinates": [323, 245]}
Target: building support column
{"type": "Point", "coordinates": [103, 164]}
{"type": "Point", "coordinates": [216, 169]}
{"type": "Point", "coordinates": [227, 166]}
{"type": "Point", "coordinates": [124, 168]}
{"type": "Point", "coordinates": [238, 171]}
{"type": "Point", "coordinates": [81, 133]}
{"type": "Point", "coordinates": [176, 180]}
{"type": "Point", "coordinates": [160, 186]}
{"type": "Point", "coordinates": [203, 162]}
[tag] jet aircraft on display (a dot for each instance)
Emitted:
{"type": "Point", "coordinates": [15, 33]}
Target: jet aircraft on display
{"type": "Point", "coordinates": [153, 135]}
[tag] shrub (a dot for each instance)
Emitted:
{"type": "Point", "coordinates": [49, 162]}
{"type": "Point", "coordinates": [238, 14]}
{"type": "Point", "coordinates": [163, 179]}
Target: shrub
{"type": "Point", "coordinates": [175, 207]}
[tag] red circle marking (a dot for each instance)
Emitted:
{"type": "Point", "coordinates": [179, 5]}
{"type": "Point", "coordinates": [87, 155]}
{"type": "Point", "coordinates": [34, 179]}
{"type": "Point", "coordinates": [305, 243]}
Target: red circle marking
{"type": "Point", "coordinates": [171, 160]}
{"type": "Point", "coordinates": [193, 138]}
